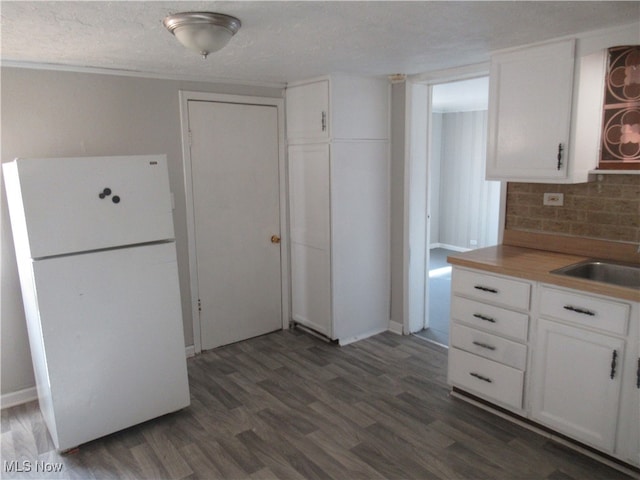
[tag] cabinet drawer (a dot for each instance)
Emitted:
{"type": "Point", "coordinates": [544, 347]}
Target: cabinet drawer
{"type": "Point", "coordinates": [492, 319]}
{"type": "Point", "coordinates": [489, 346]}
{"type": "Point", "coordinates": [585, 310]}
{"type": "Point", "coordinates": [486, 377]}
{"type": "Point", "coordinates": [500, 290]}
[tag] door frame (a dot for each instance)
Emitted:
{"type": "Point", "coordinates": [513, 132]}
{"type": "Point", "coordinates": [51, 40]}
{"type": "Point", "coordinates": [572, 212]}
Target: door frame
{"type": "Point", "coordinates": [417, 165]}
{"type": "Point", "coordinates": [185, 97]}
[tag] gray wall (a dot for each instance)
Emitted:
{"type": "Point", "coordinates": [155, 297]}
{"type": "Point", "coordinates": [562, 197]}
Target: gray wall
{"type": "Point", "coordinates": [467, 207]}
{"type": "Point", "coordinates": [398, 110]}
{"type": "Point", "coordinates": [54, 114]}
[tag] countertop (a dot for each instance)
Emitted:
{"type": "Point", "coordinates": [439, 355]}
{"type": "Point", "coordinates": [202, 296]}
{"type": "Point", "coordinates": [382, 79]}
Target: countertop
{"type": "Point", "coordinates": [536, 265]}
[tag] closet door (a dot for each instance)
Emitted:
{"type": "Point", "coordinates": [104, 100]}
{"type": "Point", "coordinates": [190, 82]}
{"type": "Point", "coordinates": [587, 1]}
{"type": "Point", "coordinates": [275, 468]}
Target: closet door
{"type": "Point", "coordinates": [310, 236]}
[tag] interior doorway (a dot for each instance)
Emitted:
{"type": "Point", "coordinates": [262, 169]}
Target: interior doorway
{"type": "Point", "coordinates": [463, 208]}
{"type": "Point", "coordinates": [234, 160]}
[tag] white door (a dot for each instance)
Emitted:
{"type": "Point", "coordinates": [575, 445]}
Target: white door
{"type": "Point", "coordinates": [234, 165]}
{"type": "Point", "coordinates": [309, 206]}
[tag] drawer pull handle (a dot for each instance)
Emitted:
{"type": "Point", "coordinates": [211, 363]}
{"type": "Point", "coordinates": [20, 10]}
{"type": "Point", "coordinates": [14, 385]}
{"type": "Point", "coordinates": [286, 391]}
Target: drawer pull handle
{"type": "Point", "coordinates": [481, 377]}
{"type": "Point", "coordinates": [324, 121]}
{"type": "Point", "coordinates": [482, 317]}
{"type": "Point", "coordinates": [484, 345]}
{"type": "Point", "coordinates": [485, 289]}
{"type": "Point", "coordinates": [579, 310]}
{"type": "Point", "coordinates": [614, 361]}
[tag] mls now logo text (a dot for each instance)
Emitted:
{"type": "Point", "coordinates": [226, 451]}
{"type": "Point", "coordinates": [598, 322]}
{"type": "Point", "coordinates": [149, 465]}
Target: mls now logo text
{"type": "Point", "coordinates": [28, 466]}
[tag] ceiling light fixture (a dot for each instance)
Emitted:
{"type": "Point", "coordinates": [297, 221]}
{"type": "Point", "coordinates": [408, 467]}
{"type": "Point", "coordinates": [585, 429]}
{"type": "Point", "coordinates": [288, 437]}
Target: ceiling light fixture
{"type": "Point", "coordinates": [204, 32]}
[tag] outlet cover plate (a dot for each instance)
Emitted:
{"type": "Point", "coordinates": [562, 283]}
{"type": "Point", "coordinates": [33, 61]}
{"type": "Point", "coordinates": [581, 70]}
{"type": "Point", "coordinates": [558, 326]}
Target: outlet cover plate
{"type": "Point", "coordinates": [553, 199]}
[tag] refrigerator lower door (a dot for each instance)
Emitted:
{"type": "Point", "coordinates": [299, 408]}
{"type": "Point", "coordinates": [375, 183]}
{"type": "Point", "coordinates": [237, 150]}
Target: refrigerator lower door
{"type": "Point", "coordinates": [111, 328]}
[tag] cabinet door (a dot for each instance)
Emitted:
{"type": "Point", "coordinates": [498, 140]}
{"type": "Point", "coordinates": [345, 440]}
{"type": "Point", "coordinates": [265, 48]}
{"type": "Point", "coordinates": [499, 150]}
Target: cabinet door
{"type": "Point", "coordinates": [576, 382]}
{"type": "Point", "coordinates": [529, 112]}
{"type": "Point", "coordinates": [308, 111]}
{"type": "Point", "coordinates": [309, 205]}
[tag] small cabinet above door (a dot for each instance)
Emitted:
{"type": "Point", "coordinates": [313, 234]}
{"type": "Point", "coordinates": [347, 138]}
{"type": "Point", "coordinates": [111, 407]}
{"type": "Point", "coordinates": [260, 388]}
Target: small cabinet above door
{"type": "Point", "coordinates": [530, 101]}
{"type": "Point", "coordinates": [308, 111]}
{"type": "Point", "coordinates": [339, 107]}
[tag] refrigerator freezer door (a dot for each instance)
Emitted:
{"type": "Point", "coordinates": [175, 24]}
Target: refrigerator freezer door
{"type": "Point", "coordinates": [112, 333]}
{"type": "Point", "coordinates": [79, 204]}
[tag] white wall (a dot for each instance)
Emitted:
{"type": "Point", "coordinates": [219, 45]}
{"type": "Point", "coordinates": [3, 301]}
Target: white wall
{"type": "Point", "coordinates": [53, 114]}
{"type": "Point", "coordinates": [434, 177]}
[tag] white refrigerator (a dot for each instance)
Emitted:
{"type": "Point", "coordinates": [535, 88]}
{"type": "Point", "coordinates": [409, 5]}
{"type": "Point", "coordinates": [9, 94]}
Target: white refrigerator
{"type": "Point", "coordinates": [94, 241]}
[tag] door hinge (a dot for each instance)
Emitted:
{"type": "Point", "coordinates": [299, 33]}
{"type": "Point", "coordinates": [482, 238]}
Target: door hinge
{"type": "Point", "coordinates": [199, 305]}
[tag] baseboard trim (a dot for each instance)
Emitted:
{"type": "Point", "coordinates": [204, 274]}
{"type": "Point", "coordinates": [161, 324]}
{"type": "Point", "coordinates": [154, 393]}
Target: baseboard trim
{"type": "Point", "coordinates": [13, 399]}
{"type": "Point", "coordinates": [357, 338]}
{"type": "Point", "coordinates": [395, 327]}
{"type": "Point", "coordinates": [446, 246]}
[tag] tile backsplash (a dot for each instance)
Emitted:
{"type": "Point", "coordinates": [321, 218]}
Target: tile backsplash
{"type": "Point", "coordinates": [608, 208]}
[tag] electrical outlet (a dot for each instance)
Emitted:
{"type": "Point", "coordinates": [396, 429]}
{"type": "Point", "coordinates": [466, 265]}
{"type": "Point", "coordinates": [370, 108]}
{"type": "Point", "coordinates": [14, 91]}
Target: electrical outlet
{"type": "Point", "coordinates": [553, 199]}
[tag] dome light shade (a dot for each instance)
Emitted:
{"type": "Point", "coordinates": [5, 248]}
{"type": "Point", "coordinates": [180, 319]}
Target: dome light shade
{"type": "Point", "coordinates": [204, 32]}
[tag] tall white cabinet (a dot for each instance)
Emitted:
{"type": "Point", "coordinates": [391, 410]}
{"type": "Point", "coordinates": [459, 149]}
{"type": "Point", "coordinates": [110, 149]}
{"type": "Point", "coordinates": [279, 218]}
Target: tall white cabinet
{"type": "Point", "coordinates": [338, 168]}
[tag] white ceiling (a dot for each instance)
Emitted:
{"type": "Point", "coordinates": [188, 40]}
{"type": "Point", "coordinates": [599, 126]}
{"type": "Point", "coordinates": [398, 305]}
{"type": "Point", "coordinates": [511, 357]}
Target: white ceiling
{"type": "Point", "coordinates": [286, 41]}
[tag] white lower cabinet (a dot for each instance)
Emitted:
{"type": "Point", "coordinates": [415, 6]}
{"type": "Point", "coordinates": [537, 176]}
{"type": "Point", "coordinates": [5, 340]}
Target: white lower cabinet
{"type": "Point", "coordinates": [584, 370]}
{"type": "Point", "coordinates": [573, 366]}
{"type": "Point", "coordinates": [576, 384]}
{"type": "Point", "coordinates": [487, 378]}
{"type": "Point", "coordinates": [489, 327]}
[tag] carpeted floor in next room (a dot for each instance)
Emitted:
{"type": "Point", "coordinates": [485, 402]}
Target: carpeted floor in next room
{"type": "Point", "coordinates": [439, 297]}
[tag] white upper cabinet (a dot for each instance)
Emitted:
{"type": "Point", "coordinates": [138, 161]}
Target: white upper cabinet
{"type": "Point", "coordinates": [546, 101]}
{"type": "Point", "coordinates": [342, 107]}
{"type": "Point", "coordinates": [308, 110]}
{"type": "Point", "coordinates": [530, 100]}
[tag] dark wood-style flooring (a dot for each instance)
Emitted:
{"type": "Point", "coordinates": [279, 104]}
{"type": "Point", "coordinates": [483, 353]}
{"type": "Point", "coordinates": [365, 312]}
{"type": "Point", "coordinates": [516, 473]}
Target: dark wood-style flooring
{"type": "Point", "coordinates": [287, 405]}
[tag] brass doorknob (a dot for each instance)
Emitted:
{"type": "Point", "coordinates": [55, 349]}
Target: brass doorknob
{"type": "Point", "coordinates": [275, 239]}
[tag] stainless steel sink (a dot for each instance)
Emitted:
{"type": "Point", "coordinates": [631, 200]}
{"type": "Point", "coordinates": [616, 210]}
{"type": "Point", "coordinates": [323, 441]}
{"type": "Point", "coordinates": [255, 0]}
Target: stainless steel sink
{"type": "Point", "coordinates": [623, 274]}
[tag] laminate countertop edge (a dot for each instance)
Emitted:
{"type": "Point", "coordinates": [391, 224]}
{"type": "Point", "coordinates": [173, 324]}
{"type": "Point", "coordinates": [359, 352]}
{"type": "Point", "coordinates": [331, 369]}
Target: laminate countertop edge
{"type": "Point", "coordinates": [536, 265]}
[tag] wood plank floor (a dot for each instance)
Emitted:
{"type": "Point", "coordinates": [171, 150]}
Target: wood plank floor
{"type": "Point", "coordinates": [287, 405]}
